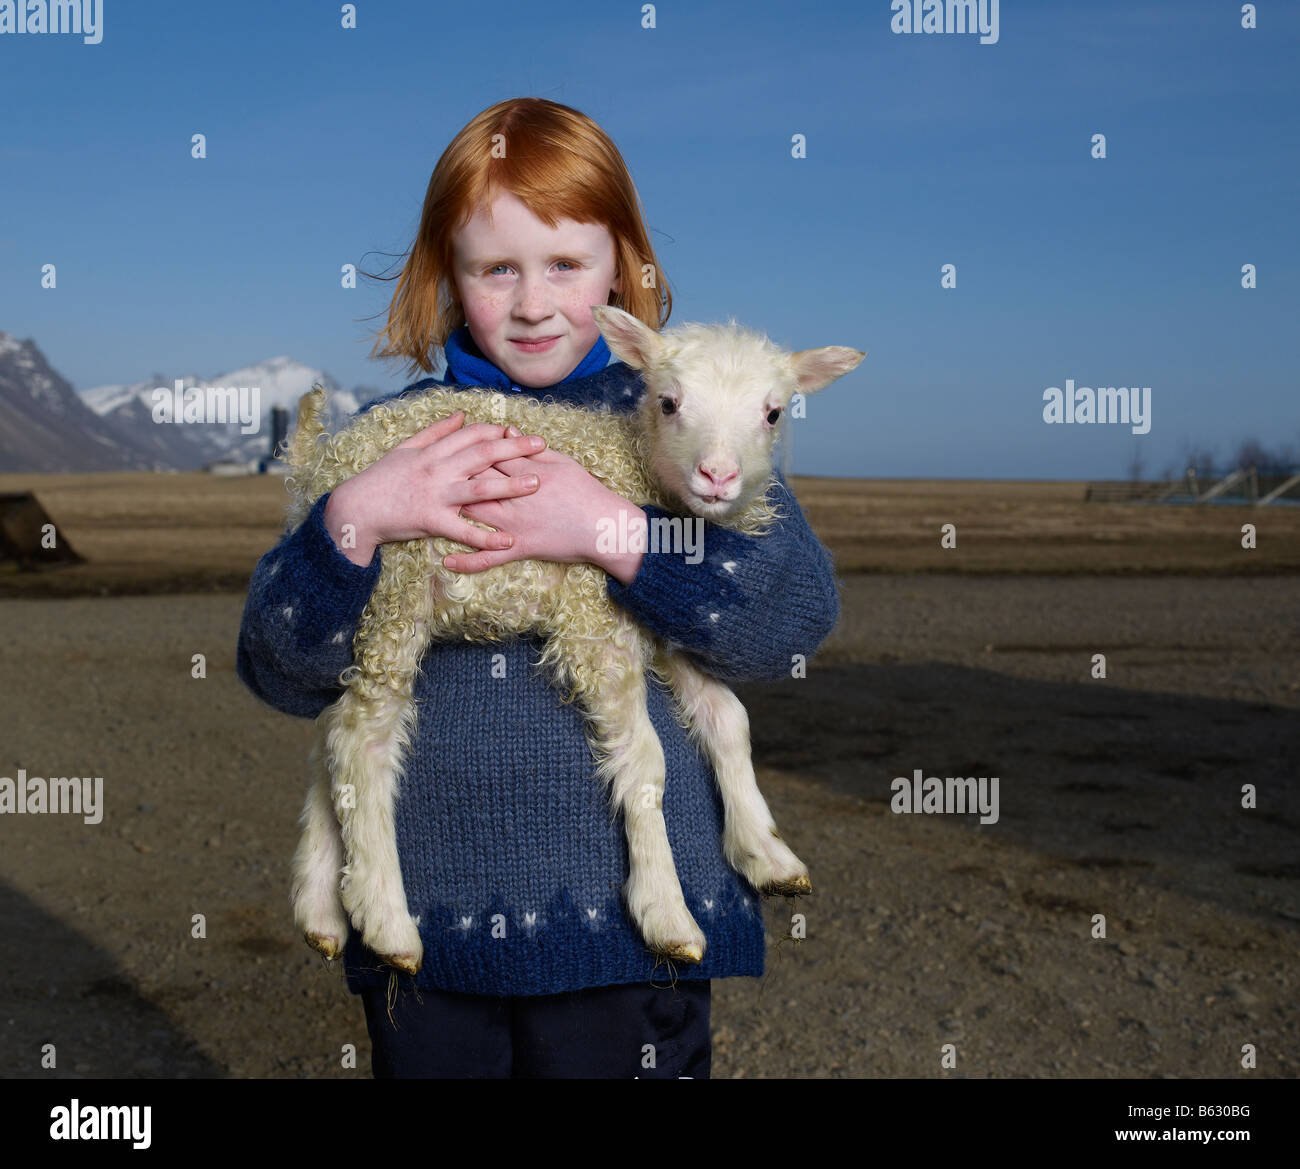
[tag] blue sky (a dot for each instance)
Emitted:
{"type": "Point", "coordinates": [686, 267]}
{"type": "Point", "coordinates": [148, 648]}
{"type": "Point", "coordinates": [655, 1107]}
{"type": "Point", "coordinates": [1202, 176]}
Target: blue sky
{"type": "Point", "coordinates": [922, 150]}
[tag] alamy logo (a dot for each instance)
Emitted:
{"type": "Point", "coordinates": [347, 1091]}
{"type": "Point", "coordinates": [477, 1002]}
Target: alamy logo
{"type": "Point", "coordinates": [78, 18]}
{"type": "Point", "coordinates": [946, 16]}
{"type": "Point", "coordinates": [70, 795]}
{"type": "Point", "coordinates": [1127, 405]}
{"type": "Point", "coordinates": [677, 534]}
{"type": "Point", "coordinates": [240, 404]}
{"type": "Point", "coordinates": [953, 794]}
{"type": "Point", "coordinates": [102, 1122]}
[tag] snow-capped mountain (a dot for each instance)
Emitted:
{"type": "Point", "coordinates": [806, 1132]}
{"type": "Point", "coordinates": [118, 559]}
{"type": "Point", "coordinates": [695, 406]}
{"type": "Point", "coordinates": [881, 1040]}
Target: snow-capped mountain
{"type": "Point", "coordinates": [280, 381]}
{"type": "Point", "coordinates": [45, 425]}
{"type": "Point", "coordinates": [184, 448]}
{"type": "Point", "coordinates": [105, 399]}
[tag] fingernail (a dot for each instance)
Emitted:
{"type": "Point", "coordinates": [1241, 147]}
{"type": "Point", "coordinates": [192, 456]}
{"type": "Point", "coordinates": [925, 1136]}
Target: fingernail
{"type": "Point", "coordinates": [538, 443]}
{"type": "Point", "coordinates": [531, 480]}
{"type": "Point", "coordinates": [513, 431]}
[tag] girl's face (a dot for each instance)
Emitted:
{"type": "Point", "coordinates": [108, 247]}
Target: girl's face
{"type": "Point", "coordinates": [521, 281]}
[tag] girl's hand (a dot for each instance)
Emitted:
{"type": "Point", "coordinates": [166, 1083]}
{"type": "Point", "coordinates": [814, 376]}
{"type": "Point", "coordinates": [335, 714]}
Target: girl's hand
{"type": "Point", "coordinates": [560, 521]}
{"type": "Point", "coordinates": [418, 488]}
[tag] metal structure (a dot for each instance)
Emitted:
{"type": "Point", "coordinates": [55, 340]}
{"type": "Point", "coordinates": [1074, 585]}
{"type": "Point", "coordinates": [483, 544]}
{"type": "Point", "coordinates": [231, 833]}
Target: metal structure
{"type": "Point", "coordinates": [1255, 486]}
{"type": "Point", "coordinates": [28, 537]}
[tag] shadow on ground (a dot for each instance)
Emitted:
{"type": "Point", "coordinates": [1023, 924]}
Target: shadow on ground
{"type": "Point", "coordinates": [1090, 775]}
{"type": "Point", "coordinates": [62, 989]}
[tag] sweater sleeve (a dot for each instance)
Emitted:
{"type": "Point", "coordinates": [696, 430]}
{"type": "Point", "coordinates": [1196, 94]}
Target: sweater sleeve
{"type": "Point", "coordinates": [749, 605]}
{"type": "Point", "coordinates": [304, 602]}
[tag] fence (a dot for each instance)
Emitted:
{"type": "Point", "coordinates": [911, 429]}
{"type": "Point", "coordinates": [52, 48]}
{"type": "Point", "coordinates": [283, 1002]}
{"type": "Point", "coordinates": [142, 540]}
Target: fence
{"type": "Point", "coordinates": [1258, 486]}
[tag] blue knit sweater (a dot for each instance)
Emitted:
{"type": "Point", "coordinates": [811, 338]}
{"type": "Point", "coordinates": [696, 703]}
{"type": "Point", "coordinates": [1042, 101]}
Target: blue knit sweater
{"type": "Point", "coordinates": [511, 859]}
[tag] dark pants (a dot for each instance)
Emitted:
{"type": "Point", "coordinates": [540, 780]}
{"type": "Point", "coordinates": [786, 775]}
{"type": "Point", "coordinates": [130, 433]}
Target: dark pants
{"type": "Point", "coordinates": [606, 1032]}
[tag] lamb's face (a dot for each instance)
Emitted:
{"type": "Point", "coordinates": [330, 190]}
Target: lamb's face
{"type": "Point", "coordinates": [714, 420]}
{"type": "Point", "coordinates": [716, 396]}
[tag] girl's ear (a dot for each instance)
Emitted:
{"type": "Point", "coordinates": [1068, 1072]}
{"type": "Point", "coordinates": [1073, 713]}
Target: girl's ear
{"type": "Point", "coordinates": [628, 339]}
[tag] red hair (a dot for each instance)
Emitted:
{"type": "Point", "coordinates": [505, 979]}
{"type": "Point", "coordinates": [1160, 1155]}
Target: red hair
{"type": "Point", "coordinates": [561, 165]}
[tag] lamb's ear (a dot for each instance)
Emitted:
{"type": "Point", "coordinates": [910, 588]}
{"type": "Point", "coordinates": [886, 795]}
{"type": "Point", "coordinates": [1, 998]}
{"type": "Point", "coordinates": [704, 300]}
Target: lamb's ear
{"type": "Point", "coordinates": [628, 338]}
{"type": "Point", "coordinates": [300, 449]}
{"type": "Point", "coordinates": [815, 368]}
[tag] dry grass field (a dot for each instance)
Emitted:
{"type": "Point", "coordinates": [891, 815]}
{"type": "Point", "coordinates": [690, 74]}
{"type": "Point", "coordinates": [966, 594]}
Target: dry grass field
{"type": "Point", "coordinates": [1119, 796]}
{"type": "Point", "coordinates": [1007, 527]}
{"type": "Point", "coordinates": [144, 533]}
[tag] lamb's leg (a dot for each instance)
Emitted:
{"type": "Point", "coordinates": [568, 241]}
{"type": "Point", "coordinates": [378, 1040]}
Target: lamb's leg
{"type": "Point", "coordinates": [653, 891]}
{"type": "Point", "coordinates": [367, 738]}
{"type": "Point", "coordinates": [317, 907]}
{"type": "Point", "coordinates": [366, 762]}
{"type": "Point", "coordinates": [719, 724]}
{"type": "Point", "coordinates": [610, 682]}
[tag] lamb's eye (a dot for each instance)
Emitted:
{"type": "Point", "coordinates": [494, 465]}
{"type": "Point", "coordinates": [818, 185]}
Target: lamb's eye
{"type": "Point", "coordinates": [667, 405]}
{"type": "Point", "coordinates": [773, 415]}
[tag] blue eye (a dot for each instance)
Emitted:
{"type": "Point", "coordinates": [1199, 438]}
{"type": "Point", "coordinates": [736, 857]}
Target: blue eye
{"type": "Point", "coordinates": [495, 267]}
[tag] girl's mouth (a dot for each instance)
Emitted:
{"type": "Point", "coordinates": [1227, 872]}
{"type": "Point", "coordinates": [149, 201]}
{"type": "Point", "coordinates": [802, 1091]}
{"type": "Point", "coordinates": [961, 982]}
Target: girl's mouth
{"type": "Point", "coordinates": [540, 346]}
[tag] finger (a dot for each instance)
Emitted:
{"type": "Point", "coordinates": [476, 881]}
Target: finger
{"type": "Point", "coordinates": [482, 538]}
{"type": "Point", "coordinates": [502, 487]}
{"type": "Point", "coordinates": [483, 454]}
{"type": "Point", "coordinates": [486, 512]}
{"type": "Point", "coordinates": [526, 463]}
{"type": "Point", "coordinates": [515, 467]}
{"type": "Point", "coordinates": [467, 436]}
{"type": "Point", "coordinates": [547, 455]}
{"type": "Point", "coordinates": [477, 561]}
{"type": "Point", "coordinates": [434, 431]}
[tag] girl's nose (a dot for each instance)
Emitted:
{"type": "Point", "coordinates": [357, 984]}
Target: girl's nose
{"type": "Point", "coordinates": [533, 300]}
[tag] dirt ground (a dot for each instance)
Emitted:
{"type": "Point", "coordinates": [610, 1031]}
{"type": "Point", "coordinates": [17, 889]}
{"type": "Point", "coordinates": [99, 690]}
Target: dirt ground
{"type": "Point", "coordinates": [1119, 796]}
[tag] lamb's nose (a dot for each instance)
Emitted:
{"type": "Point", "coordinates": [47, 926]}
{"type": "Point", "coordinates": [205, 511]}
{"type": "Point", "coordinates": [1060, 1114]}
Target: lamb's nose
{"type": "Point", "coordinates": [718, 481]}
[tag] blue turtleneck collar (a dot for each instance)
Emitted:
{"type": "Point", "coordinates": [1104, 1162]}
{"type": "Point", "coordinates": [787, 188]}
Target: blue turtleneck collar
{"type": "Point", "coordinates": [466, 365]}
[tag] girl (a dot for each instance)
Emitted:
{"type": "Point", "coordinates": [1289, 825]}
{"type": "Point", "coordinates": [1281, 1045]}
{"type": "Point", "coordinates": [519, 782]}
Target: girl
{"type": "Point", "coordinates": [511, 862]}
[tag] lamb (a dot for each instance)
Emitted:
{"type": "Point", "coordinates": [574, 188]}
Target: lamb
{"type": "Point", "coordinates": [701, 438]}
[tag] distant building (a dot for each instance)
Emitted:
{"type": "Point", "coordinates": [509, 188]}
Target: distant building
{"type": "Point", "coordinates": [279, 430]}
{"type": "Point", "coordinates": [271, 463]}
{"type": "Point", "coordinates": [233, 467]}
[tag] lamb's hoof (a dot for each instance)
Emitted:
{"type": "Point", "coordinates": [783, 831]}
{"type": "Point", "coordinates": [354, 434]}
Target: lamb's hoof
{"type": "Point", "coordinates": [327, 944]}
{"type": "Point", "coordinates": [793, 887]}
{"type": "Point", "coordinates": [657, 909]}
{"type": "Point", "coordinates": [410, 963]}
{"type": "Point", "coordinates": [691, 952]}
{"type": "Point", "coordinates": [396, 942]}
